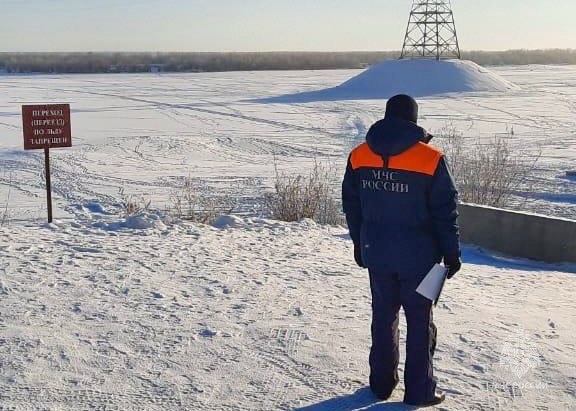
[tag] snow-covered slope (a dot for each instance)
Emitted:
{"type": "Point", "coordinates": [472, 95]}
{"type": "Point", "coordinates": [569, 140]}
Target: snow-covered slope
{"type": "Point", "coordinates": [418, 78]}
{"type": "Point", "coordinates": [255, 315]}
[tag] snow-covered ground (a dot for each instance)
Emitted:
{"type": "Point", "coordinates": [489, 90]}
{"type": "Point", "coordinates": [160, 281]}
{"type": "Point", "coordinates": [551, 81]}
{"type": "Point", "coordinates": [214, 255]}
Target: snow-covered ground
{"type": "Point", "coordinates": [144, 133]}
{"type": "Point", "coordinates": [256, 315]}
{"type": "Point", "coordinates": [98, 312]}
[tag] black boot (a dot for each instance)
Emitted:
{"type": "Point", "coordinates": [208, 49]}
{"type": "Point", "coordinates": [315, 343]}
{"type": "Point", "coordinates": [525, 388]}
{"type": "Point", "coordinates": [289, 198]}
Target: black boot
{"type": "Point", "coordinates": [381, 395]}
{"type": "Point", "coordinates": [383, 391]}
{"type": "Point", "coordinates": [437, 399]}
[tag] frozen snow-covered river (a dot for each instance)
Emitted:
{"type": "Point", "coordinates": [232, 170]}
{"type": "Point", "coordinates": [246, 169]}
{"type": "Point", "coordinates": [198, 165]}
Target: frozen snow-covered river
{"type": "Point", "coordinates": [145, 132]}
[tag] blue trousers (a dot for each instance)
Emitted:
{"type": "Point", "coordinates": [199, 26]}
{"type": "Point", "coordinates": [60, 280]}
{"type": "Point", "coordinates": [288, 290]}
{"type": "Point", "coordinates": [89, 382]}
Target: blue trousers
{"type": "Point", "coordinates": [390, 291]}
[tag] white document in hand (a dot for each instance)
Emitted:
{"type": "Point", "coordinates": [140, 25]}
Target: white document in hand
{"type": "Point", "coordinates": [431, 285]}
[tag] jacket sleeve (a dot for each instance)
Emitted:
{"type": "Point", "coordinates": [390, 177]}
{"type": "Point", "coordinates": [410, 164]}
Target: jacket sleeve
{"type": "Point", "coordinates": [351, 204]}
{"type": "Point", "coordinates": [443, 207]}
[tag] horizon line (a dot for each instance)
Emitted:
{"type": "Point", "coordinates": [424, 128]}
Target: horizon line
{"type": "Point", "coordinates": [269, 51]}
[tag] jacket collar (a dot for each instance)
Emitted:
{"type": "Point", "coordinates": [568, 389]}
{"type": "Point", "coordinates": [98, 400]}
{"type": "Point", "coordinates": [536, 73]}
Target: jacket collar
{"type": "Point", "coordinates": [390, 137]}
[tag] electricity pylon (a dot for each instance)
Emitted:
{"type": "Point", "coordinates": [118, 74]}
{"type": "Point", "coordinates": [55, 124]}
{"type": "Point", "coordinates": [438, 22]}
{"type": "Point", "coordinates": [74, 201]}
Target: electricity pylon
{"type": "Point", "coordinates": [431, 32]}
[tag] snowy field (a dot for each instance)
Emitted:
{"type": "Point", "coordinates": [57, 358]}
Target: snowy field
{"type": "Point", "coordinates": [145, 133]}
{"type": "Point", "coordinates": [100, 312]}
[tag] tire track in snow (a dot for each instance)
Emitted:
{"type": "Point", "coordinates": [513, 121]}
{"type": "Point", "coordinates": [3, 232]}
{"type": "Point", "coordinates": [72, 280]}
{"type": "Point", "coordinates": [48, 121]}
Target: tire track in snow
{"type": "Point", "coordinates": [273, 123]}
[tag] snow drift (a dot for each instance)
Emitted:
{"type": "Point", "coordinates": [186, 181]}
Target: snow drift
{"type": "Point", "coordinates": [418, 78]}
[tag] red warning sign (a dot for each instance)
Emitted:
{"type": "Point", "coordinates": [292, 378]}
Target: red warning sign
{"type": "Point", "coordinates": [47, 126]}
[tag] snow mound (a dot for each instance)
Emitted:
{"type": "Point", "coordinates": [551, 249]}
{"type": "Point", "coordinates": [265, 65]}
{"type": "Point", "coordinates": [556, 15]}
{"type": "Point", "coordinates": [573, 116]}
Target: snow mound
{"type": "Point", "coordinates": [144, 221]}
{"type": "Point", "coordinates": [228, 221]}
{"type": "Point", "coordinates": [418, 78]}
{"type": "Point", "coordinates": [140, 221]}
{"type": "Point", "coordinates": [95, 207]}
{"type": "Point", "coordinates": [258, 224]}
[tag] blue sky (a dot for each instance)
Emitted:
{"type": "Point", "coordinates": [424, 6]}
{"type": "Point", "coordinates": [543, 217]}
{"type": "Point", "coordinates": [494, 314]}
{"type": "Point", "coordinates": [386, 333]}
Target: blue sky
{"type": "Point", "coordinates": [266, 25]}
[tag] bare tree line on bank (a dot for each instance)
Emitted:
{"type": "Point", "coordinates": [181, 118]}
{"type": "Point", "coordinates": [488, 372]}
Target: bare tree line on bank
{"type": "Point", "coordinates": [252, 61]}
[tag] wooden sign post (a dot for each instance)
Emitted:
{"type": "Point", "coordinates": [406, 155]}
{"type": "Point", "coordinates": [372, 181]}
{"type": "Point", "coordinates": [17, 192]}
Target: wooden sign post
{"type": "Point", "coordinates": [46, 127]}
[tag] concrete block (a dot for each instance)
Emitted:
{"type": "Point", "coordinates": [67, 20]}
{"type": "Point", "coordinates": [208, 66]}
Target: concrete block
{"type": "Point", "coordinates": [518, 234]}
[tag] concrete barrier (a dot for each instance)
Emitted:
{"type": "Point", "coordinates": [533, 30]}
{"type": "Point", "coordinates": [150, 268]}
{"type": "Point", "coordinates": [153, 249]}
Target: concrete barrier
{"type": "Point", "coordinates": [517, 234]}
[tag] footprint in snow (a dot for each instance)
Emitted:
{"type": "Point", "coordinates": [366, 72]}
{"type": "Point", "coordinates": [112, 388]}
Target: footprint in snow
{"type": "Point", "coordinates": [208, 333]}
{"type": "Point", "coordinates": [297, 312]}
{"type": "Point", "coordinates": [86, 249]}
{"type": "Point", "coordinates": [157, 294]}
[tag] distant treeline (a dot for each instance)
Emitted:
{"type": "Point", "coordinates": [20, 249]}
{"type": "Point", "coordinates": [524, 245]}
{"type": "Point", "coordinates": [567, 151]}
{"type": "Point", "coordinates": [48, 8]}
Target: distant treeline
{"type": "Point", "coordinates": [199, 62]}
{"type": "Point", "coordinates": [521, 57]}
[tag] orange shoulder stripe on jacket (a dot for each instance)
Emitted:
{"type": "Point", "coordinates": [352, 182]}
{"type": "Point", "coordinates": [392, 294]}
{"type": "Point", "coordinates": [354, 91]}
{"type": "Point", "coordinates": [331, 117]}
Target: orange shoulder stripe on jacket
{"type": "Point", "coordinates": [363, 156]}
{"type": "Point", "coordinates": [420, 158]}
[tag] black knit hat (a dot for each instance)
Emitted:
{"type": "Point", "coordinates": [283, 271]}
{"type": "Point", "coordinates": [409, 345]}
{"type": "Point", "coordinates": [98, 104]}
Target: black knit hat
{"type": "Point", "coordinates": [402, 107]}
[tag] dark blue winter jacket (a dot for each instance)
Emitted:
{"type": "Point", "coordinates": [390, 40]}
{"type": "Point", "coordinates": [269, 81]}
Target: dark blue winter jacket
{"type": "Point", "coordinates": [400, 200]}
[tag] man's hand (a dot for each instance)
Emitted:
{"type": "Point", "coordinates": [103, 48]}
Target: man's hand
{"type": "Point", "coordinates": [358, 256]}
{"type": "Point", "coordinates": [453, 264]}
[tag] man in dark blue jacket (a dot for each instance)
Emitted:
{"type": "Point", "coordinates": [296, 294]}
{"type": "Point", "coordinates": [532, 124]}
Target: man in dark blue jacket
{"type": "Point", "coordinates": [401, 207]}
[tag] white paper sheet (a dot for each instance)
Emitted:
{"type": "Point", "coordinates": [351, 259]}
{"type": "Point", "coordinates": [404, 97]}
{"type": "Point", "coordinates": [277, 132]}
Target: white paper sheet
{"type": "Point", "coordinates": [431, 285]}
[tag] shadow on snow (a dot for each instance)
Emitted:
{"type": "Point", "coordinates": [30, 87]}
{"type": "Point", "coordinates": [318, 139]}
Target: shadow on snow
{"type": "Point", "coordinates": [363, 399]}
